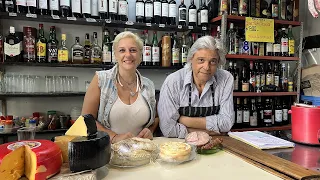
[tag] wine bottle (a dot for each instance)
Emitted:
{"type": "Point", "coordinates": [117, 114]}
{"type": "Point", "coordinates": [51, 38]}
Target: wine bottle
{"type": "Point", "coordinates": [204, 14]}
{"type": "Point", "coordinates": [42, 7]}
{"type": "Point", "coordinates": [113, 9]}
{"type": "Point", "coordinates": [123, 10]}
{"type": "Point", "coordinates": [76, 8]}
{"type": "Point", "coordinates": [140, 11]}
{"type": "Point", "coordinates": [65, 8]}
{"type": "Point", "coordinates": [182, 14]}
{"type": "Point", "coordinates": [192, 14]}
{"type": "Point", "coordinates": [172, 12]}
{"type": "Point", "coordinates": [103, 9]}
{"type": "Point", "coordinates": [157, 11]}
{"type": "Point", "coordinates": [86, 8]}
{"type": "Point", "coordinates": [164, 12]}
{"type": "Point", "coordinates": [148, 6]}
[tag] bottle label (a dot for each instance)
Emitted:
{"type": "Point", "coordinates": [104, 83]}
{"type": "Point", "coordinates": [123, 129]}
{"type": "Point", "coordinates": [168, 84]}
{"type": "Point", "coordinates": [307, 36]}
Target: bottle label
{"type": "Point", "coordinates": [41, 49]}
{"type": "Point", "coordinates": [123, 8]}
{"type": "Point", "coordinates": [243, 7]}
{"type": "Point", "coordinates": [87, 53]}
{"type": "Point", "coordinates": [269, 79]}
{"type": "Point", "coordinates": [32, 3]}
{"type": "Point", "coordinates": [157, 8]}
{"type": "Point", "coordinates": [95, 58]}
{"type": "Point", "coordinates": [192, 15]}
{"type": "Point", "coordinates": [76, 6]}
{"type": "Point", "coordinates": [65, 3]}
{"type": "Point", "coordinates": [54, 5]}
{"type": "Point", "coordinates": [262, 80]}
{"type": "Point", "coordinates": [224, 6]}
{"type": "Point", "coordinates": [146, 53]}
{"type": "Point", "coordinates": [239, 116]}
{"type": "Point", "coordinates": [258, 83]}
{"type": "Point", "coordinates": [204, 16]}
{"type": "Point", "coordinates": [275, 10]}
{"type": "Point", "coordinates": [175, 55]}
{"type": "Point", "coordinates": [113, 6]}
{"type": "Point", "coordinates": [102, 5]}
{"type": "Point", "coordinates": [236, 83]}
{"type": "Point", "coordinates": [43, 4]}
{"type": "Point", "coordinates": [165, 10]}
{"type": "Point", "coordinates": [149, 10]}
{"type": "Point", "coordinates": [77, 55]}
{"type": "Point", "coordinates": [29, 49]}
{"type": "Point", "coordinates": [22, 2]}
{"type": "Point", "coordinates": [184, 55]}
{"type": "Point", "coordinates": [199, 18]}
{"type": "Point", "coordinates": [155, 54]}
{"type": "Point", "coordinates": [285, 114]}
{"type": "Point", "coordinates": [94, 7]}
{"type": "Point", "coordinates": [246, 116]}
{"type": "Point", "coordinates": [106, 54]}
{"type": "Point", "coordinates": [291, 47]}
{"type": "Point", "coordinates": [245, 86]}
{"type": "Point", "coordinates": [267, 115]}
{"type": "Point", "coordinates": [63, 55]}
{"type": "Point", "coordinates": [269, 47]}
{"type": "Point", "coordinates": [140, 9]}
{"type": "Point", "coordinates": [172, 10]}
{"type": "Point", "coordinates": [52, 53]}
{"type": "Point", "coordinates": [254, 119]}
{"type": "Point", "coordinates": [12, 50]}
{"type": "Point", "coordinates": [284, 45]}
{"type": "Point", "coordinates": [253, 80]}
{"type": "Point", "coordinates": [86, 6]}
{"type": "Point", "coordinates": [278, 115]}
{"type": "Point", "coordinates": [276, 81]}
{"type": "Point", "coordinates": [276, 48]}
{"type": "Point", "coordinates": [182, 14]}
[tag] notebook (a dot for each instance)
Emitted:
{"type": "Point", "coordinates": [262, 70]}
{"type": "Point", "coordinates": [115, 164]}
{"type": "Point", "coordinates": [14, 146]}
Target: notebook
{"type": "Point", "coordinates": [261, 140]}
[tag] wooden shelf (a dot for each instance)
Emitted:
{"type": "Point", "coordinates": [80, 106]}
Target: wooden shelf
{"type": "Point", "coordinates": [42, 94]}
{"type": "Point", "coordinates": [250, 94]}
{"type": "Point", "coordinates": [273, 128]}
{"type": "Point", "coordinates": [241, 19]}
{"type": "Point", "coordinates": [251, 57]}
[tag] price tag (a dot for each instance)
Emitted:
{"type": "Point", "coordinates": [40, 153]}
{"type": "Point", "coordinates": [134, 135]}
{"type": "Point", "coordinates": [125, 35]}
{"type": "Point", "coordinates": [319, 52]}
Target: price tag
{"type": "Point", "coordinates": [148, 24]}
{"type": "Point", "coordinates": [31, 15]}
{"type": "Point", "coordinates": [12, 14]}
{"type": "Point", "coordinates": [55, 17]}
{"type": "Point", "coordinates": [108, 21]}
{"type": "Point", "coordinates": [204, 28]}
{"type": "Point", "coordinates": [161, 25]}
{"type": "Point", "coordinates": [91, 20]}
{"type": "Point", "coordinates": [71, 18]}
{"type": "Point", "coordinates": [129, 23]}
{"type": "Point", "coordinates": [190, 27]}
{"type": "Point", "coordinates": [179, 27]}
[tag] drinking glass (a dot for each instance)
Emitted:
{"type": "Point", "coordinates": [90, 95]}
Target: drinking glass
{"type": "Point", "coordinates": [26, 133]}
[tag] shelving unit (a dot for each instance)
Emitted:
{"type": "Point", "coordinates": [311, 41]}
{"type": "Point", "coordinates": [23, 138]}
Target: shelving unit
{"type": "Point", "coordinates": [251, 57]}
{"type": "Point", "coordinates": [254, 94]}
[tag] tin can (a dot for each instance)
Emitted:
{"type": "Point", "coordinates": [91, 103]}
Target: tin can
{"type": "Point", "coordinates": [166, 51]}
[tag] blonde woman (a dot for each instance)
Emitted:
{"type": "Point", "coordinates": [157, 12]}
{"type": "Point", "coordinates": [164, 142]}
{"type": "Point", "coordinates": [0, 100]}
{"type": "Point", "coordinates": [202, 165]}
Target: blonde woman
{"type": "Point", "coordinates": [121, 99]}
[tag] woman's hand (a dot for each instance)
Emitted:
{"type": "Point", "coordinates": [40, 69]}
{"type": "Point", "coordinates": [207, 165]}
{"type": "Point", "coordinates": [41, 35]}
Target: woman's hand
{"type": "Point", "coordinates": [119, 137]}
{"type": "Point", "coordinates": [145, 133]}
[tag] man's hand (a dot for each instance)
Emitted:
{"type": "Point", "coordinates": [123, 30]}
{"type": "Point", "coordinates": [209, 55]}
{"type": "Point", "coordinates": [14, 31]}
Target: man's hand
{"type": "Point", "coordinates": [119, 137]}
{"type": "Point", "coordinates": [145, 133]}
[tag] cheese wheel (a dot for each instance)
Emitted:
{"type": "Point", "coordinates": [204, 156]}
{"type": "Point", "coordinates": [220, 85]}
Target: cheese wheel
{"type": "Point", "coordinates": [175, 151]}
{"type": "Point", "coordinates": [36, 159]}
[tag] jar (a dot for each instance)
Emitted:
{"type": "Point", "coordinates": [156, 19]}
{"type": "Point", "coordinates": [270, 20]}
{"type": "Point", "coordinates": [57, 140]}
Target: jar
{"type": "Point", "coordinates": [8, 126]}
{"type": "Point", "coordinates": [32, 123]}
{"type": "Point", "coordinates": [2, 123]}
{"type": "Point", "coordinates": [290, 87]}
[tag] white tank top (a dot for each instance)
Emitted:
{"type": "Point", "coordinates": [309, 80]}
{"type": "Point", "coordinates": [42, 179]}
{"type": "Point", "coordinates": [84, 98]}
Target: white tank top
{"type": "Point", "coordinates": [132, 118]}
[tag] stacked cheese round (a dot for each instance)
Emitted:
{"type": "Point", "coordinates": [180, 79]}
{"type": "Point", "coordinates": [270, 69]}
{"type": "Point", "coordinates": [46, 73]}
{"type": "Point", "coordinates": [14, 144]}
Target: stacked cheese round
{"type": "Point", "coordinates": [175, 151]}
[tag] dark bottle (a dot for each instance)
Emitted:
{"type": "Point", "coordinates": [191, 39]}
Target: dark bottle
{"type": "Point", "coordinates": [86, 8]}
{"type": "Point", "coordinates": [199, 14]}
{"type": "Point", "coordinates": [94, 9]}
{"type": "Point", "coordinates": [252, 76]}
{"type": "Point", "coordinates": [175, 51]}
{"type": "Point", "coordinates": [243, 7]}
{"type": "Point", "coordinates": [262, 75]}
{"type": "Point", "coordinates": [234, 7]}
{"type": "Point", "coordinates": [182, 14]}
{"type": "Point", "coordinates": [2, 9]}
{"type": "Point", "coordinates": [123, 10]}
{"type": "Point", "coordinates": [140, 11]}
{"type": "Point", "coordinates": [9, 6]}
{"type": "Point", "coordinates": [106, 49]}
{"type": "Point", "coordinates": [192, 14]}
{"type": "Point", "coordinates": [236, 76]}
{"type": "Point", "coordinates": [21, 6]}
{"type": "Point", "coordinates": [103, 9]}
{"type": "Point", "coordinates": [244, 80]}
{"type": "Point", "coordinates": [253, 114]}
{"type": "Point", "coordinates": [277, 44]}
{"type": "Point", "coordinates": [76, 8]}
{"type": "Point", "coordinates": [157, 11]}
{"type": "Point", "coordinates": [164, 12]}
{"type": "Point", "coordinates": [289, 10]}
{"type": "Point", "coordinates": [284, 43]}
{"type": "Point", "coordinates": [87, 49]}
{"type": "Point", "coordinates": [276, 74]}
{"type": "Point", "coordinates": [1, 49]}
{"type": "Point", "coordinates": [269, 75]}
{"type": "Point", "coordinates": [54, 7]}
{"type": "Point", "coordinates": [29, 47]}
{"type": "Point", "coordinates": [52, 49]}
{"type": "Point", "coordinates": [12, 47]}
{"type": "Point", "coordinates": [257, 78]}
{"type": "Point", "coordinates": [265, 10]}
{"type": "Point", "coordinates": [282, 10]}
{"type": "Point", "coordinates": [172, 12]}
{"type": "Point", "coordinates": [258, 8]}
{"type": "Point", "coordinates": [204, 14]}
{"type": "Point", "coordinates": [246, 113]}
{"type": "Point", "coordinates": [32, 6]}
{"type": "Point", "coordinates": [42, 7]}
{"type": "Point", "coordinates": [267, 113]}
{"type": "Point", "coordinates": [274, 9]}
{"type": "Point", "coordinates": [65, 8]}
{"type": "Point", "coordinates": [252, 8]}
{"type": "Point", "coordinates": [278, 112]}
{"type": "Point", "coordinates": [239, 114]}
{"type": "Point", "coordinates": [259, 112]}
{"type": "Point", "coordinates": [146, 57]}
{"type": "Point", "coordinates": [41, 46]}
{"type": "Point", "coordinates": [285, 109]}
{"type": "Point", "coordinates": [148, 6]}
{"type": "Point", "coordinates": [113, 9]}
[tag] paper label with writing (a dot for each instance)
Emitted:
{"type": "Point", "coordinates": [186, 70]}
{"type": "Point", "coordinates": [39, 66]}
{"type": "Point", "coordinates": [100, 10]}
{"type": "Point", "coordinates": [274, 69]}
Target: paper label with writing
{"type": "Point", "coordinates": [41, 49]}
{"type": "Point", "coordinates": [12, 50]}
{"type": "Point", "coordinates": [63, 55]}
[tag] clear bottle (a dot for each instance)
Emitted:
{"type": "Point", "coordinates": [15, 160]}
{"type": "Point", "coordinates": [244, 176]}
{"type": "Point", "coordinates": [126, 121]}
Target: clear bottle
{"type": "Point", "coordinates": [231, 40]}
{"type": "Point", "coordinates": [63, 51]}
{"type": "Point", "coordinates": [77, 52]}
{"type": "Point", "coordinates": [29, 47]}
{"type": "Point", "coordinates": [96, 52]}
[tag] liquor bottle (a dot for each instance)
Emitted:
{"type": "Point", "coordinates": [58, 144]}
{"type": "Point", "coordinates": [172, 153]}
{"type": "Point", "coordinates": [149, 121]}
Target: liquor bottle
{"type": "Point", "coordinates": [29, 47]}
{"type": "Point", "coordinates": [96, 52]}
{"type": "Point", "coordinates": [246, 113]}
{"type": "Point", "coordinates": [86, 8]}
{"type": "Point", "coordinates": [52, 49]}
{"type": "Point", "coordinates": [253, 114]}
{"type": "Point", "coordinates": [236, 40]}
{"type": "Point", "coordinates": [276, 74]}
{"type": "Point", "coordinates": [94, 9]}
{"type": "Point", "coordinates": [12, 47]}
{"type": "Point", "coordinates": [148, 6]}
{"type": "Point", "coordinates": [277, 45]}
{"type": "Point", "coordinates": [204, 14]}
{"type": "Point", "coordinates": [42, 7]}
{"type": "Point", "coordinates": [155, 50]}
{"type": "Point", "coordinates": [285, 109]}
{"type": "Point", "coordinates": [267, 113]}
{"type": "Point", "coordinates": [103, 9]}
{"type": "Point", "coordinates": [291, 42]}
{"type": "Point", "coordinates": [218, 35]}
{"type": "Point", "coordinates": [184, 50]}
{"type": "Point", "coordinates": [255, 48]}
{"type": "Point", "coordinates": [262, 75]}
{"type": "Point", "coordinates": [284, 43]}
{"type": "Point", "coordinates": [244, 80]}
{"type": "Point", "coordinates": [113, 9]}
{"type": "Point", "coordinates": [21, 6]}
{"type": "Point", "coordinates": [289, 9]}
{"type": "Point", "coordinates": [252, 8]}
{"type": "Point", "coordinates": [290, 80]}
{"type": "Point", "coordinates": [269, 75]}
{"type": "Point", "coordinates": [54, 7]}
{"type": "Point", "coordinates": [269, 49]}
{"type": "Point", "coordinates": [192, 13]}
{"type": "Point", "coordinates": [258, 78]}
{"type": "Point", "coordinates": [182, 14]}
{"type": "Point", "coordinates": [282, 9]}
{"type": "Point", "coordinates": [243, 7]}
{"type": "Point", "coordinates": [236, 81]}
{"type": "Point", "coordinates": [87, 49]}
{"type": "Point", "coordinates": [77, 52]}
{"type": "Point", "coordinates": [106, 48]}
{"type": "Point", "coordinates": [41, 46]}
{"type": "Point", "coordinates": [175, 51]}
{"type": "Point", "coordinates": [140, 11]}
{"type": "Point", "coordinates": [32, 6]}
{"type": "Point", "coordinates": [278, 112]}
{"type": "Point", "coordinates": [164, 12]}
{"type": "Point", "coordinates": [258, 8]}
{"type": "Point", "coordinates": [157, 11]}
{"type": "Point", "coordinates": [146, 57]}
{"type": "Point", "coordinates": [231, 40]}
{"type": "Point", "coordinates": [274, 9]}
{"type": "Point", "coordinates": [63, 52]}
{"type": "Point", "coordinates": [234, 7]}
{"type": "Point", "coordinates": [230, 68]}
{"type": "Point", "coordinates": [259, 112]}
{"type": "Point", "coordinates": [223, 6]}
{"type": "Point", "coordinates": [252, 76]}
{"type": "Point", "coordinates": [65, 8]}
{"type": "Point", "coordinates": [9, 6]}
{"type": "Point", "coordinates": [265, 10]}
{"type": "Point", "coordinates": [283, 79]}
{"type": "Point", "coordinates": [76, 8]}
{"type": "Point", "coordinates": [123, 10]}
{"type": "Point", "coordinates": [172, 12]}
{"type": "Point", "coordinates": [239, 113]}
{"type": "Point", "coordinates": [199, 14]}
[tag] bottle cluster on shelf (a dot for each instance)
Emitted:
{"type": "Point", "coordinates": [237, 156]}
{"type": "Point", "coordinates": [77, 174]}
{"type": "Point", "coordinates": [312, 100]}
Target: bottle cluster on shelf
{"type": "Point", "coordinates": [283, 45]}
{"type": "Point", "coordinates": [261, 111]}
{"type": "Point", "coordinates": [261, 77]}
{"type": "Point", "coordinates": [276, 9]}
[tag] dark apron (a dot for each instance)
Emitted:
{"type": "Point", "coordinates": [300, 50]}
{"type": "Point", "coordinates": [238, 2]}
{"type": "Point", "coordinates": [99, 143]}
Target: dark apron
{"type": "Point", "coordinates": [199, 111]}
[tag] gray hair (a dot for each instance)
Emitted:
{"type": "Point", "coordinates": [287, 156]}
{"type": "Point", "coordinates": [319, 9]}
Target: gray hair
{"type": "Point", "coordinates": [207, 42]}
{"type": "Point", "coordinates": [128, 34]}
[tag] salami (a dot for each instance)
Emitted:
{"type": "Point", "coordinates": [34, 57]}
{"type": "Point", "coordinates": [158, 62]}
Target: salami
{"type": "Point", "coordinates": [198, 138]}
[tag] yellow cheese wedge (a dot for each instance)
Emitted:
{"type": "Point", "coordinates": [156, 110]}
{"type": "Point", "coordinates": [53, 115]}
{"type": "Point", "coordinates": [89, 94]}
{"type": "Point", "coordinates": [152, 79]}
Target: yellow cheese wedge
{"type": "Point", "coordinates": [62, 142]}
{"type": "Point", "coordinates": [12, 165]}
{"type": "Point", "coordinates": [79, 128]}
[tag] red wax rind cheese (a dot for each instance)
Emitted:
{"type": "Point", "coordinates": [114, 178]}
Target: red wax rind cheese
{"type": "Point", "coordinates": [36, 159]}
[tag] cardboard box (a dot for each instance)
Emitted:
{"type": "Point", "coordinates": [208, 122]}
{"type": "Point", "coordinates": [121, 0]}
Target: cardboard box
{"type": "Point", "coordinates": [310, 80]}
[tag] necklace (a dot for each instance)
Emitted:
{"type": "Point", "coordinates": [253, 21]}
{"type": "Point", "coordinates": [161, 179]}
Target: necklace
{"type": "Point", "coordinates": [132, 93]}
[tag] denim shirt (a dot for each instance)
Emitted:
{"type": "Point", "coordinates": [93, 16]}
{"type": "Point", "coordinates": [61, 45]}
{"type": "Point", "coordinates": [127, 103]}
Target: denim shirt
{"type": "Point", "coordinates": [108, 94]}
